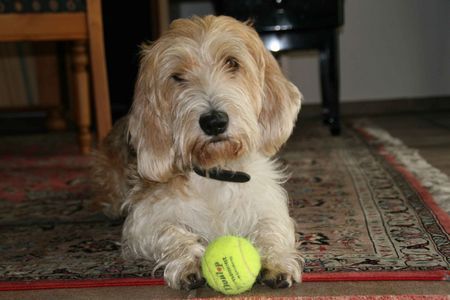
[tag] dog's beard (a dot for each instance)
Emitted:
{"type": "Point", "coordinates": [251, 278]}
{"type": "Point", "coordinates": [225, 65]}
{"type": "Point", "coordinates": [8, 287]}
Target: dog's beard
{"type": "Point", "coordinates": [217, 151]}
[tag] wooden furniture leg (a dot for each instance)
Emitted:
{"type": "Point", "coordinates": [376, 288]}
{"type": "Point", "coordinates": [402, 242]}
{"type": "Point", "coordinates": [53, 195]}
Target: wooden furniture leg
{"type": "Point", "coordinates": [83, 110]}
{"type": "Point", "coordinates": [55, 120]}
{"type": "Point", "coordinates": [98, 68]}
{"type": "Point", "coordinates": [49, 83]}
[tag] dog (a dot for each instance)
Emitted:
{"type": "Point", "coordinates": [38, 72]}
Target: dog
{"type": "Point", "coordinates": [193, 159]}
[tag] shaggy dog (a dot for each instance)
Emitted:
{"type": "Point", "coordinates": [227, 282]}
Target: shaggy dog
{"type": "Point", "coordinates": [192, 161]}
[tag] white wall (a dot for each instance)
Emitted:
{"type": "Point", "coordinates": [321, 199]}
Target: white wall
{"type": "Point", "coordinates": [388, 49]}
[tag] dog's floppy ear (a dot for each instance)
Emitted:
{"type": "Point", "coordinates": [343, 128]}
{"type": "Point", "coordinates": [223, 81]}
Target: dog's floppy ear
{"type": "Point", "coordinates": [149, 131]}
{"type": "Point", "coordinates": [280, 106]}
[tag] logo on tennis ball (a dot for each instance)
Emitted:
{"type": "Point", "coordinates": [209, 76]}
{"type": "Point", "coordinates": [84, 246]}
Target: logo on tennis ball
{"type": "Point", "coordinates": [221, 276]}
{"type": "Point", "coordinates": [228, 264]}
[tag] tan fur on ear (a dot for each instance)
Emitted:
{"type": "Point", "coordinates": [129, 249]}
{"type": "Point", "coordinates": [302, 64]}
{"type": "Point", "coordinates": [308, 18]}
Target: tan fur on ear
{"type": "Point", "coordinates": [280, 106]}
{"type": "Point", "coordinates": [150, 133]}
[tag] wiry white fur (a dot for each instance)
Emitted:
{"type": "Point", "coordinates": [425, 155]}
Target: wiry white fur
{"type": "Point", "coordinates": [179, 226]}
{"type": "Point", "coordinates": [173, 213]}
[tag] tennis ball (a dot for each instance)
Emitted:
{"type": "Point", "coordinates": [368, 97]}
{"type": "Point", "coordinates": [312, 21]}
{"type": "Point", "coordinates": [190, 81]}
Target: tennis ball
{"type": "Point", "coordinates": [231, 264]}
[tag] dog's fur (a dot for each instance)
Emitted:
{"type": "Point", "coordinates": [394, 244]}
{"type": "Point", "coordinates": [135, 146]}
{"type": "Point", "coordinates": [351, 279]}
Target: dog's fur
{"type": "Point", "coordinates": [144, 167]}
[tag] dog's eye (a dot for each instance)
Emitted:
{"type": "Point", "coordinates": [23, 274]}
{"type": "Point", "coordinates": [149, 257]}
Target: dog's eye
{"type": "Point", "coordinates": [232, 64]}
{"type": "Point", "coordinates": [178, 78]}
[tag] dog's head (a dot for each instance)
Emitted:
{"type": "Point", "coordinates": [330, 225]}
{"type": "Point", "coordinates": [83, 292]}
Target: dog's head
{"type": "Point", "coordinates": [208, 93]}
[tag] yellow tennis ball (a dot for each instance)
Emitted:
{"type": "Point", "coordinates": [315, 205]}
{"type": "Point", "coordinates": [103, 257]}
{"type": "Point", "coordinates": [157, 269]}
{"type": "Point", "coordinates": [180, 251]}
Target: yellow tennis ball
{"type": "Point", "coordinates": [231, 264]}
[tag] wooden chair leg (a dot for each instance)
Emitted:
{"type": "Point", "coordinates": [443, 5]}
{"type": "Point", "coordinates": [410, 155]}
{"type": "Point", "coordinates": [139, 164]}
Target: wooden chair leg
{"type": "Point", "coordinates": [55, 120]}
{"type": "Point", "coordinates": [81, 77]}
{"type": "Point", "coordinates": [98, 67]}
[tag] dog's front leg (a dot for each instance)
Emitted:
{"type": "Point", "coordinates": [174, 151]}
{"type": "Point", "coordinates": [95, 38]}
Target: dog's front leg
{"type": "Point", "coordinates": [281, 262]}
{"type": "Point", "coordinates": [180, 251]}
{"type": "Point", "coordinates": [171, 245]}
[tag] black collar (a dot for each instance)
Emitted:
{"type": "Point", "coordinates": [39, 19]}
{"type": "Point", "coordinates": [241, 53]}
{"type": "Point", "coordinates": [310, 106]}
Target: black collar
{"type": "Point", "coordinates": [223, 175]}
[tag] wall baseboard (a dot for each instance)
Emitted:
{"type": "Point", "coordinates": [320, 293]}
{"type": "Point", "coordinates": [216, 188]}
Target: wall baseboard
{"type": "Point", "coordinates": [378, 107]}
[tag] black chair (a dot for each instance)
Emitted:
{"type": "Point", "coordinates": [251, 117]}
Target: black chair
{"type": "Point", "coordinates": [286, 25]}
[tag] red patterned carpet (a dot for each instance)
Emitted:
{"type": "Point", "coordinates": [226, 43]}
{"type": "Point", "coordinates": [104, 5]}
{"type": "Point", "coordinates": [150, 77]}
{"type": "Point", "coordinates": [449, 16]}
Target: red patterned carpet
{"type": "Point", "coordinates": [393, 297]}
{"type": "Point", "coordinates": [361, 214]}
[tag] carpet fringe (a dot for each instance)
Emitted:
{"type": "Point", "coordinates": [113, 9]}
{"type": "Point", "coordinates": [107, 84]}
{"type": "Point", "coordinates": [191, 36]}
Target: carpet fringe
{"type": "Point", "coordinates": [437, 183]}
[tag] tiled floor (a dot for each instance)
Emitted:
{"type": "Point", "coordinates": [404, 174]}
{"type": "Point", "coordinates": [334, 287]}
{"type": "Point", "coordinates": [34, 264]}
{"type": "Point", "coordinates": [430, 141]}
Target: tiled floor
{"type": "Point", "coordinates": [427, 132]}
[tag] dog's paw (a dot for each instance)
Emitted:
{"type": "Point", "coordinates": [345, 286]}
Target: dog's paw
{"type": "Point", "coordinates": [282, 274]}
{"type": "Point", "coordinates": [184, 275]}
{"type": "Point", "coordinates": [192, 281]}
{"type": "Point", "coordinates": [275, 279]}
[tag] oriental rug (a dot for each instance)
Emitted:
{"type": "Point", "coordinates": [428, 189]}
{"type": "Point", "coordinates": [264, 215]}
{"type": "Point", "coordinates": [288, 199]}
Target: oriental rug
{"type": "Point", "coordinates": [364, 208]}
{"type": "Point", "coordinates": [353, 297]}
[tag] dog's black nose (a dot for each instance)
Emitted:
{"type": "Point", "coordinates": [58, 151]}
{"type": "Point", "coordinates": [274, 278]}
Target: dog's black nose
{"type": "Point", "coordinates": [214, 122]}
